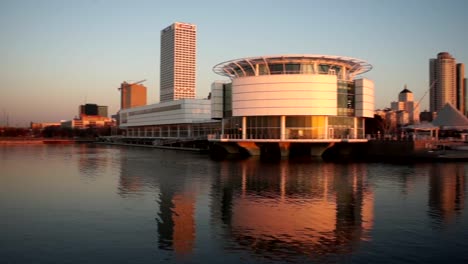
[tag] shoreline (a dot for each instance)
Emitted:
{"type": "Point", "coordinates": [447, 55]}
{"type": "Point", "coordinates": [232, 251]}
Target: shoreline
{"type": "Point", "coordinates": [40, 141]}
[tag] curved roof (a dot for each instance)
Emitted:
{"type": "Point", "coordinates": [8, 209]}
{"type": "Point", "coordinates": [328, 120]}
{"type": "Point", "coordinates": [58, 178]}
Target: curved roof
{"type": "Point", "coordinates": [231, 68]}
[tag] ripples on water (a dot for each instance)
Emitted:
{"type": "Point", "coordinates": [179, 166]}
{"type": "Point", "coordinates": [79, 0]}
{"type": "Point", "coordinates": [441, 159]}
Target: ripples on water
{"type": "Point", "coordinates": [101, 204]}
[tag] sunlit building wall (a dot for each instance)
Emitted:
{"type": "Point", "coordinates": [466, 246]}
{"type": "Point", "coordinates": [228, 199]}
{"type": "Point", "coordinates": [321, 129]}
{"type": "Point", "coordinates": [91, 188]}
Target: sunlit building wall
{"type": "Point", "coordinates": [132, 95]}
{"type": "Point", "coordinates": [442, 74]}
{"type": "Point", "coordinates": [461, 88]}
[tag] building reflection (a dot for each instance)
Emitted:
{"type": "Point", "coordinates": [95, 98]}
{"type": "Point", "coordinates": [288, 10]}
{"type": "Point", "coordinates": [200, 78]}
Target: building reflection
{"type": "Point", "coordinates": [446, 192]}
{"type": "Point", "coordinates": [280, 210]}
{"type": "Point", "coordinates": [176, 215]}
{"type": "Point", "coordinates": [176, 222]}
{"type": "Point", "coordinates": [91, 160]}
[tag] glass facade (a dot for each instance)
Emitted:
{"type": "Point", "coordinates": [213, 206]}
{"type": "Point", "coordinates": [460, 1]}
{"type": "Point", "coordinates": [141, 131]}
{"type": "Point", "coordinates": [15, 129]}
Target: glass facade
{"type": "Point", "coordinates": [233, 127]}
{"type": "Point", "coordinates": [227, 100]}
{"type": "Point", "coordinates": [263, 127]}
{"type": "Point", "coordinates": [345, 98]}
{"type": "Point", "coordinates": [305, 127]}
{"type": "Point", "coordinates": [342, 126]}
{"type": "Point", "coordinates": [175, 131]}
{"type": "Point", "coordinates": [289, 66]}
{"type": "Point", "coordinates": [296, 127]}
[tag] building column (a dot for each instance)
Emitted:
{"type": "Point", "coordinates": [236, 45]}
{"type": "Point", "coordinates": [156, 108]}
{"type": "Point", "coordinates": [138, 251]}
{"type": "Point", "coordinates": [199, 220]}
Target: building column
{"type": "Point", "coordinates": [222, 128]}
{"type": "Point", "coordinates": [283, 128]}
{"type": "Point", "coordinates": [327, 136]}
{"type": "Point", "coordinates": [244, 127]}
{"type": "Point", "coordinates": [355, 127]}
{"type": "Point", "coordinates": [178, 131]}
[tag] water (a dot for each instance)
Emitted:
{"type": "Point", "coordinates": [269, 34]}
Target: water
{"type": "Point", "coordinates": [107, 204]}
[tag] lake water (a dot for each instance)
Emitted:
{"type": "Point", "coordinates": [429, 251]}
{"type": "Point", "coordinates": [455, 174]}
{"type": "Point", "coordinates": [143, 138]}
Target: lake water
{"type": "Point", "coordinates": [108, 204]}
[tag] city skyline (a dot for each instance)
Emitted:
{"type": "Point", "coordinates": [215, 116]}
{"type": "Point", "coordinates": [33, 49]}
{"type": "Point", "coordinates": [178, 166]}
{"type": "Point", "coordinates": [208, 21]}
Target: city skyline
{"type": "Point", "coordinates": [64, 54]}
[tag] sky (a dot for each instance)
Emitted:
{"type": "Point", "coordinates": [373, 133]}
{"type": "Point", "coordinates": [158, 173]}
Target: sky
{"type": "Point", "coordinates": [58, 54]}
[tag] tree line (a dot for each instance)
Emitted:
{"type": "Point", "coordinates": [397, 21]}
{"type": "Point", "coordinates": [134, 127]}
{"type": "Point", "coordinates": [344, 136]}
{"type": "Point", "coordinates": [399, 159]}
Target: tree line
{"type": "Point", "coordinates": [57, 132]}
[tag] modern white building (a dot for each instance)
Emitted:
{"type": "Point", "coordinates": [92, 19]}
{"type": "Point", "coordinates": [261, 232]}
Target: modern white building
{"type": "Point", "coordinates": [293, 98]}
{"type": "Point", "coordinates": [178, 62]}
{"type": "Point", "coordinates": [185, 118]}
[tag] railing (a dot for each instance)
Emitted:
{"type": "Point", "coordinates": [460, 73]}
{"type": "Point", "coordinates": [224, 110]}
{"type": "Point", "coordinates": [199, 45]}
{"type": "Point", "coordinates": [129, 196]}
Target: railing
{"type": "Point", "coordinates": [277, 137]}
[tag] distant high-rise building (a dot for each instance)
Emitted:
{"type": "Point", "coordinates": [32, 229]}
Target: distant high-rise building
{"type": "Point", "coordinates": [406, 107]}
{"type": "Point", "coordinates": [442, 71]}
{"type": "Point", "coordinates": [102, 110]}
{"type": "Point", "coordinates": [466, 97]}
{"type": "Point", "coordinates": [461, 88]}
{"type": "Point", "coordinates": [178, 62]}
{"type": "Point", "coordinates": [132, 95]}
{"type": "Point", "coordinates": [92, 110]}
{"type": "Point", "coordinates": [88, 109]}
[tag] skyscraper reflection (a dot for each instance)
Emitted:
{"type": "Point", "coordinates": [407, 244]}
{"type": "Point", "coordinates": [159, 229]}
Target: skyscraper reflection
{"type": "Point", "coordinates": [176, 221]}
{"type": "Point", "coordinates": [176, 200]}
{"type": "Point", "coordinates": [283, 210]}
{"type": "Point", "coordinates": [446, 191]}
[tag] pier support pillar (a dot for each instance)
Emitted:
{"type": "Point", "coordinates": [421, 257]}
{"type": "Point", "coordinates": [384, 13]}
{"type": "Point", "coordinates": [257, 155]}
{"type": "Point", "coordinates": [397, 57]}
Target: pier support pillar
{"type": "Point", "coordinates": [284, 149]}
{"type": "Point", "coordinates": [251, 147]}
{"type": "Point", "coordinates": [244, 127]}
{"type": "Point", "coordinates": [317, 149]}
{"type": "Point", "coordinates": [283, 128]}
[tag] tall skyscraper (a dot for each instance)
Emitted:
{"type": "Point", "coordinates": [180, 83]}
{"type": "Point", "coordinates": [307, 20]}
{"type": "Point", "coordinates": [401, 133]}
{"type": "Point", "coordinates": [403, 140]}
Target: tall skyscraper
{"type": "Point", "coordinates": [461, 88]}
{"type": "Point", "coordinates": [132, 95]}
{"type": "Point", "coordinates": [442, 71]}
{"type": "Point", "coordinates": [178, 62]}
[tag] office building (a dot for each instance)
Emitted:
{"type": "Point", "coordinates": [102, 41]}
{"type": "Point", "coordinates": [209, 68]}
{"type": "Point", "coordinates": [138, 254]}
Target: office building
{"type": "Point", "coordinates": [461, 88]}
{"type": "Point", "coordinates": [92, 110]}
{"type": "Point", "coordinates": [406, 107]}
{"type": "Point", "coordinates": [178, 62]}
{"type": "Point", "coordinates": [132, 95]}
{"type": "Point", "coordinates": [102, 110]}
{"type": "Point", "coordinates": [442, 78]}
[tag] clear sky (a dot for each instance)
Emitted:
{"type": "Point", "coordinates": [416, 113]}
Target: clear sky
{"type": "Point", "coordinates": [58, 54]}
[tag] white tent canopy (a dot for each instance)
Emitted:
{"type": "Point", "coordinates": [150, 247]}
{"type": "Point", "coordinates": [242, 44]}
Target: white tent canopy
{"type": "Point", "coordinates": [450, 118]}
{"type": "Point", "coordinates": [425, 126]}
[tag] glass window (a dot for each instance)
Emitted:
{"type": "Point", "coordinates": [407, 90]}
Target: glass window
{"type": "Point", "coordinates": [262, 69]}
{"type": "Point", "coordinates": [307, 68]}
{"type": "Point", "coordinates": [292, 68]}
{"type": "Point", "coordinates": [323, 68]}
{"type": "Point", "coordinates": [276, 68]}
{"type": "Point", "coordinates": [249, 71]}
{"type": "Point", "coordinates": [263, 127]}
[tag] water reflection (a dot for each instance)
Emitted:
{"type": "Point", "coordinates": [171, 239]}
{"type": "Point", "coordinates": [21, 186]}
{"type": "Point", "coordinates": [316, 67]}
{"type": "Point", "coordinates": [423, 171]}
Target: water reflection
{"type": "Point", "coordinates": [172, 180]}
{"type": "Point", "coordinates": [446, 192]}
{"type": "Point", "coordinates": [91, 160]}
{"type": "Point", "coordinates": [281, 210]}
{"type": "Point", "coordinates": [143, 205]}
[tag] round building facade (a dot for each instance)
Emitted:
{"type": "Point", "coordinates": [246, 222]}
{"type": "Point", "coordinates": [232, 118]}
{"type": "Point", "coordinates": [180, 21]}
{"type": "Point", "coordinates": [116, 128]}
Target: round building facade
{"type": "Point", "coordinates": [293, 98]}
